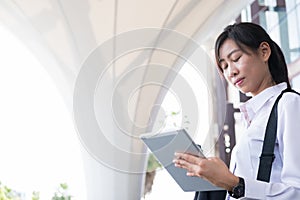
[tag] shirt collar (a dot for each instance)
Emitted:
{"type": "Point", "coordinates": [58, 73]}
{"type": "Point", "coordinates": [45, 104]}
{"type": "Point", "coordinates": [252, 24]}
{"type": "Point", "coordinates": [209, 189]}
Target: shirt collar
{"type": "Point", "coordinates": [250, 108]}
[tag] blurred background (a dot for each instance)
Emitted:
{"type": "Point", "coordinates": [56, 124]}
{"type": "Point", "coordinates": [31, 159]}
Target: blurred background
{"type": "Point", "coordinates": [80, 80]}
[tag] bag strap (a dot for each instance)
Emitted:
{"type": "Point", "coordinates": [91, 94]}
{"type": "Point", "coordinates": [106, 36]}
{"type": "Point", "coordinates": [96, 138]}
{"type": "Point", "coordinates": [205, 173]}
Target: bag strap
{"type": "Point", "coordinates": [267, 156]}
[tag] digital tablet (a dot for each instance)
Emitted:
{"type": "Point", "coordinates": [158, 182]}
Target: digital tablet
{"type": "Point", "coordinates": [164, 145]}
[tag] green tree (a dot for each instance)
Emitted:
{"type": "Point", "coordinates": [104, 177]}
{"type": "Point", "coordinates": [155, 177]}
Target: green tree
{"type": "Point", "coordinates": [35, 195]}
{"type": "Point", "coordinates": [8, 194]}
{"type": "Point", "coordinates": [62, 193]}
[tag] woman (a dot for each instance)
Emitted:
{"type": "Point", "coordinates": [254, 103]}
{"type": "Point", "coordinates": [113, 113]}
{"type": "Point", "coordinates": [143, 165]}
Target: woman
{"type": "Point", "coordinates": [249, 59]}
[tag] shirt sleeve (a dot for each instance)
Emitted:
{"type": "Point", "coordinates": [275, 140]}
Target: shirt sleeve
{"type": "Point", "coordinates": [288, 134]}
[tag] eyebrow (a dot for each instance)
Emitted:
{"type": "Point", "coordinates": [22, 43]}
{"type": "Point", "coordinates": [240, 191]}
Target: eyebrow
{"type": "Point", "coordinates": [228, 56]}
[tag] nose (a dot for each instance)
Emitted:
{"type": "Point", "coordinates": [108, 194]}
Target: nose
{"type": "Point", "coordinates": [233, 70]}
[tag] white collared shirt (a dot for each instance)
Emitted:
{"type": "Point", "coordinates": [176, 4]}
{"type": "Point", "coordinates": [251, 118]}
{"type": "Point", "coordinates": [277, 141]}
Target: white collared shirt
{"type": "Point", "coordinates": [285, 176]}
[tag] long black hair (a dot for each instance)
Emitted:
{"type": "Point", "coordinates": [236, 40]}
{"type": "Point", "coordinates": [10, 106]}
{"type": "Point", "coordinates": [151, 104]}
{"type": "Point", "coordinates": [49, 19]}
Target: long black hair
{"type": "Point", "coordinates": [246, 34]}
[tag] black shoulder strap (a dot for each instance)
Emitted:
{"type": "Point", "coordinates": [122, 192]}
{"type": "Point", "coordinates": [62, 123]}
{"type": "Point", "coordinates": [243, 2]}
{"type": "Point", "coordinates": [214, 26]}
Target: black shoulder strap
{"type": "Point", "coordinates": [267, 155]}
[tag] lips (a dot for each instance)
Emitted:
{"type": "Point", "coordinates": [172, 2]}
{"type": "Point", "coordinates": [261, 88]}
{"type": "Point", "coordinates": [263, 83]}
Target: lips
{"type": "Point", "coordinates": [238, 81]}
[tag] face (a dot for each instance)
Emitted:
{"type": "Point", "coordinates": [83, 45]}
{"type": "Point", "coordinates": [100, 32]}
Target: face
{"type": "Point", "coordinates": [248, 71]}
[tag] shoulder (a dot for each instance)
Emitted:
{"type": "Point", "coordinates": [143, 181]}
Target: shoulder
{"type": "Point", "coordinates": [290, 96]}
{"type": "Point", "coordinates": [289, 101]}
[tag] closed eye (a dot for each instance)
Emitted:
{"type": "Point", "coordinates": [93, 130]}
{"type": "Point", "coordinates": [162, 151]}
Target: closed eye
{"type": "Point", "coordinates": [237, 59]}
{"type": "Point", "coordinates": [224, 67]}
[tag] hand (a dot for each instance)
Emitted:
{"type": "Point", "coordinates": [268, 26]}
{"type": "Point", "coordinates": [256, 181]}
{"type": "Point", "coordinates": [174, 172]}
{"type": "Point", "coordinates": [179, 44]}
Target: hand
{"type": "Point", "coordinates": [212, 169]}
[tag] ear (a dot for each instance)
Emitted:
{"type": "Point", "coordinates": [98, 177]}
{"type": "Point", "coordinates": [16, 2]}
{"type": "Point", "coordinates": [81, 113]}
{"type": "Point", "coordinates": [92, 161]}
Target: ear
{"type": "Point", "coordinates": [265, 51]}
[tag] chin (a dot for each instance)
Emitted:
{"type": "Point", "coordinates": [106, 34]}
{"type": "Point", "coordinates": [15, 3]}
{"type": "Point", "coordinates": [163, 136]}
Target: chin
{"type": "Point", "coordinates": [245, 92]}
{"type": "Point", "coordinates": [242, 91]}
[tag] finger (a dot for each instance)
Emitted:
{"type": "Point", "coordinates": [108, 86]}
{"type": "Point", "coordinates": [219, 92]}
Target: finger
{"type": "Point", "coordinates": [189, 158]}
{"type": "Point", "coordinates": [190, 174]}
{"type": "Point", "coordinates": [192, 170]}
{"type": "Point", "coordinates": [181, 163]}
{"type": "Point", "coordinates": [178, 155]}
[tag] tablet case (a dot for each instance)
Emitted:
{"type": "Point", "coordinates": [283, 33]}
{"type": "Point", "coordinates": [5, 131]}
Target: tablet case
{"type": "Point", "coordinates": [164, 145]}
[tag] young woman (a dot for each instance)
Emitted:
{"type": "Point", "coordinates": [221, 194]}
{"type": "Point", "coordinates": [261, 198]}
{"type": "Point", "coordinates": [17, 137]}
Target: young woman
{"type": "Point", "coordinates": [251, 61]}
